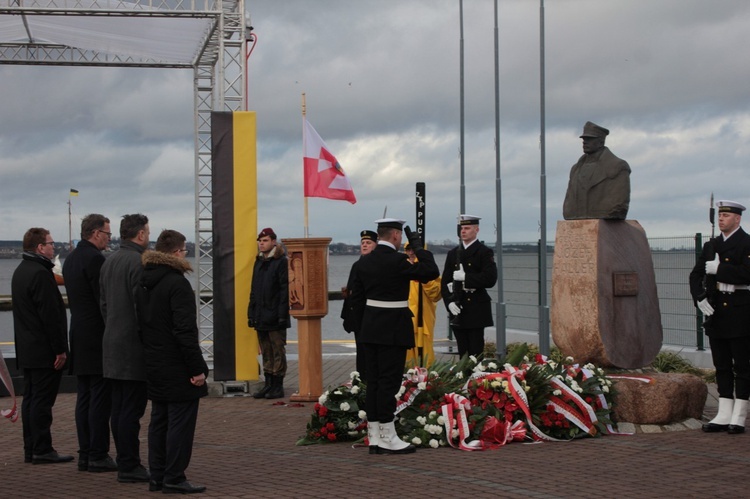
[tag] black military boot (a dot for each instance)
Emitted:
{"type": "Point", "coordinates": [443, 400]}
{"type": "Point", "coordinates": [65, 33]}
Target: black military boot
{"type": "Point", "coordinates": [277, 388]}
{"type": "Point", "coordinates": [261, 393]}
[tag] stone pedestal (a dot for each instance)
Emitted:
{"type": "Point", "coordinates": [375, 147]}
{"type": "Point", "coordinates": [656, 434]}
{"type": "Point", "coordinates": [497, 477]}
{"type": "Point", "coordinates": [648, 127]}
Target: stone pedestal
{"type": "Point", "coordinates": [308, 302]}
{"type": "Point", "coordinates": [667, 398]}
{"type": "Point", "coordinates": [605, 308]}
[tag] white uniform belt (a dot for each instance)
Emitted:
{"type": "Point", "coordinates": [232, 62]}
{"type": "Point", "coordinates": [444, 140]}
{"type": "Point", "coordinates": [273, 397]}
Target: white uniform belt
{"type": "Point", "coordinates": [387, 304]}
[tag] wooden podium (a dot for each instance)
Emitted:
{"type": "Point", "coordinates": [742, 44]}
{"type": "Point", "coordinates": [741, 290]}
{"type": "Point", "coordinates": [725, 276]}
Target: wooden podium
{"type": "Point", "coordinates": [308, 303]}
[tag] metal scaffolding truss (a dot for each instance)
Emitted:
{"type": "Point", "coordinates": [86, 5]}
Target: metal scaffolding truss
{"type": "Point", "coordinates": [208, 36]}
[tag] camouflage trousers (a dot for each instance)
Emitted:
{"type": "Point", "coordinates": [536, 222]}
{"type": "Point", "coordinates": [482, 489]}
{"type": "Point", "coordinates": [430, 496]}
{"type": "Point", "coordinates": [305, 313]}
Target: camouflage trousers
{"type": "Point", "coordinates": [273, 348]}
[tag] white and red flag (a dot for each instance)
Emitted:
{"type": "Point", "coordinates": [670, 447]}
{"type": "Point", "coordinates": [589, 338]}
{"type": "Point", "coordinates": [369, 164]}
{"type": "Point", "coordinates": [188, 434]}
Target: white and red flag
{"type": "Point", "coordinates": [324, 177]}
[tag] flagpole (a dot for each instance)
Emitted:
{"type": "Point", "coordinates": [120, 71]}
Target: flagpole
{"type": "Point", "coordinates": [304, 117]}
{"type": "Point", "coordinates": [70, 224]}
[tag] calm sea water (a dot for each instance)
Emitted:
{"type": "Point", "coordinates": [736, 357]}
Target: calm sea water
{"type": "Point", "coordinates": [520, 291]}
{"type": "Point", "coordinates": [338, 273]}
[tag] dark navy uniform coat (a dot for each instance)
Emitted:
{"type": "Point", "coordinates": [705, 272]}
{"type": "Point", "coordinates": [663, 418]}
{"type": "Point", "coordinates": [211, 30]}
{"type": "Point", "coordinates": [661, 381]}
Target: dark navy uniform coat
{"type": "Point", "coordinates": [481, 273]}
{"type": "Point", "coordinates": [384, 275]}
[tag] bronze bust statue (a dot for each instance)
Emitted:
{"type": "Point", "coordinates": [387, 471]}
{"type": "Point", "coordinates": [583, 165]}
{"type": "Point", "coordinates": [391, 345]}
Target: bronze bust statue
{"type": "Point", "coordinates": [599, 184]}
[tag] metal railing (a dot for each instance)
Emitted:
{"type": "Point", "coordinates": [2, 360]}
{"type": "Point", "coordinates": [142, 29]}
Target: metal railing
{"type": "Point", "coordinates": [673, 257]}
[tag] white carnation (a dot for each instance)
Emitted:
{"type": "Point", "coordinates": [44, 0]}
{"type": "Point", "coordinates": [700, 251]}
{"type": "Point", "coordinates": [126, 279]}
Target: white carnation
{"type": "Point", "coordinates": [354, 390]}
{"type": "Point", "coordinates": [323, 398]}
{"type": "Point", "coordinates": [362, 415]}
{"type": "Point", "coordinates": [344, 406]}
{"type": "Point", "coordinates": [416, 441]}
{"type": "Point", "coordinates": [434, 443]}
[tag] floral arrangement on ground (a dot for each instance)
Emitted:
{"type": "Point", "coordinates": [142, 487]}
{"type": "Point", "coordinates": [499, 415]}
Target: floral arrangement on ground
{"type": "Point", "coordinates": [477, 404]}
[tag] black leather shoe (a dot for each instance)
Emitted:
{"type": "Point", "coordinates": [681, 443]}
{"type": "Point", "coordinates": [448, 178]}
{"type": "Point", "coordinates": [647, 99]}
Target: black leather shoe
{"type": "Point", "coordinates": [715, 428]}
{"type": "Point", "coordinates": [735, 429]}
{"type": "Point", "coordinates": [154, 486]}
{"type": "Point", "coordinates": [182, 488]}
{"type": "Point", "coordinates": [50, 457]}
{"type": "Point", "coordinates": [137, 474]}
{"type": "Point", "coordinates": [83, 464]}
{"type": "Point", "coordinates": [406, 450]}
{"type": "Point", "coordinates": [102, 465]}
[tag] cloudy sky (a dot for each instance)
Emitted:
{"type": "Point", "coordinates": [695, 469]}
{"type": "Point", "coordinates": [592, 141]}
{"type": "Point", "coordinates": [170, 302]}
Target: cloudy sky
{"type": "Point", "coordinates": [669, 78]}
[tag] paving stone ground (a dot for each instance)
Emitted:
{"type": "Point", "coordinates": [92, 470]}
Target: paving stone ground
{"type": "Point", "coordinates": [246, 448]}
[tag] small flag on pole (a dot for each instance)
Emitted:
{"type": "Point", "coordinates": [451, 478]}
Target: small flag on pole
{"type": "Point", "coordinates": [74, 192]}
{"type": "Point", "coordinates": [324, 177]}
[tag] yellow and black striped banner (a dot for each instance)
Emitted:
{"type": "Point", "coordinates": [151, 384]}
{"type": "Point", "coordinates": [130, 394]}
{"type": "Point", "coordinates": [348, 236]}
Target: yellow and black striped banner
{"type": "Point", "coordinates": [235, 225]}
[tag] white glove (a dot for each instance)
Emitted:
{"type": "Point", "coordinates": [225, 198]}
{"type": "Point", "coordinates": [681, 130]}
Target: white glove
{"type": "Point", "coordinates": [450, 287]}
{"type": "Point", "coordinates": [712, 266]}
{"type": "Point", "coordinates": [454, 308]}
{"type": "Point", "coordinates": [725, 288]}
{"type": "Point", "coordinates": [460, 275]}
{"type": "Point", "coordinates": [704, 307]}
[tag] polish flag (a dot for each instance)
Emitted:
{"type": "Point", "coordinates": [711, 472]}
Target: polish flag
{"type": "Point", "coordinates": [324, 177]}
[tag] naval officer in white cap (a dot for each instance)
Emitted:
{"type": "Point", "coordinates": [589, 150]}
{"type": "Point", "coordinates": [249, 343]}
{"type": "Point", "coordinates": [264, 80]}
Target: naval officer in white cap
{"type": "Point", "coordinates": [720, 283]}
{"type": "Point", "coordinates": [380, 292]}
{"type": "Point", "coordinates": [470, 269]}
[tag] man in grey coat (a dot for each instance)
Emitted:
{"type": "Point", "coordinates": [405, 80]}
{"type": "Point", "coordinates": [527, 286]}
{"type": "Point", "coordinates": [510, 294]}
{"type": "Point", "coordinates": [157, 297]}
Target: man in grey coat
{"type": "Point", "coordinates": [122, 350]}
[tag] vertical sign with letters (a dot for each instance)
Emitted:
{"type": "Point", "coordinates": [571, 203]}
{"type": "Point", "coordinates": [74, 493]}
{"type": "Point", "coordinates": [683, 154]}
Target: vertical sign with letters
{"type": "Point", "coordinates": [420, 200]}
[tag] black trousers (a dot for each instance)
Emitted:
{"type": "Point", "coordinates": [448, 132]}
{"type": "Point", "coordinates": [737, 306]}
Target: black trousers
{"type": "Point", "coordinates": [128, 406]}
{"type": "Point", "coordinates": [732, 362]}
{"type": "Point", "coordinates": [469, 340]}
{"type": "Point", "coordinates": [40, 387]}
{"type": "Point", "coordinates": [170, 439]}
{"type": "Point", "coordinates": [360, 362]}
{"type": "Point", "coordinates": [93, 410]}
{"type": "Point", "coordinates": [385, 370]}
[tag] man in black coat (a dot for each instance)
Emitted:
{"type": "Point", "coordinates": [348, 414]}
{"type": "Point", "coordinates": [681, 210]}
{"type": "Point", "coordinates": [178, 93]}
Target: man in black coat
{"type": "Point", "coordinates": [380, 290]}
{"type": "Point", "coordinates": [367, 243]}
{"type": "Point", "coordinates": [175, 367]}
{"type": "Point", "coordinates": [40, 331]}
{"type": "Point", "coordinates": [268, 311]}
{"type": "Point", "coordinates": [94, 401]}
{"type": "Point", "coordinates": [726, 303]}
{"type": "Point", "coordinates": [469, 270]}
